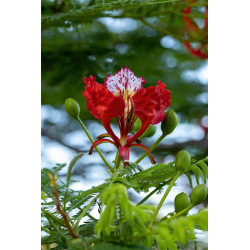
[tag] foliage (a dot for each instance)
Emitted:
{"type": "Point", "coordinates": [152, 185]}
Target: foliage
{"type": "Point", "coordinates": [122, 225]}
{"type": "Point", "coordinates": [180, 230]}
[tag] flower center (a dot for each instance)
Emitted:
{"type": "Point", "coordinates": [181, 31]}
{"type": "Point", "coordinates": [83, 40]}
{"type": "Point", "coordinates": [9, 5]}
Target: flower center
{"type": "Point", "coordinates": [127, 119]}
{"type": "Point", "coordinates": [127, 97]}
{"type": "Point", "coordinates": [125, 84]}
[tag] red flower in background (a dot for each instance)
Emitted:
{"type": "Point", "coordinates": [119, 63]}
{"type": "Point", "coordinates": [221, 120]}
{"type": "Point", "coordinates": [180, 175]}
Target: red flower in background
{"type": "Point", "coordinates": [193, 27]}
{"type": "Point", "coordinates": [122, 96]}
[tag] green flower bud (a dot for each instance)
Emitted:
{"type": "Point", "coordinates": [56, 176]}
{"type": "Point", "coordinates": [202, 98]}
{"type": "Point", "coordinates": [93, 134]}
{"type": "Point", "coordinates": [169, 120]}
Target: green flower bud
{"type": "Point", "coordinates": [136, 126]}
{"type": "Point", "coordinates": [199, 194]}
{"type": "Point", "coordinates": [72, 107]}
{"type": "Point", "coordinates": [150, 131]}
{"type": "Point", "coordinates": [169, 123]}
{"type": "Point", "coordinates": [182, 160]}
{"type": "Point", "coordinates": [181, 202]}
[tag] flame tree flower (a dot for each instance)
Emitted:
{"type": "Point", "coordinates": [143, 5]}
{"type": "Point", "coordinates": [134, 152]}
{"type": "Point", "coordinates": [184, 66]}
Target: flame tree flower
{"type": "Point", "coordinates": [123, 97]}
{"type": "Point", "coordinates": [193, 28]}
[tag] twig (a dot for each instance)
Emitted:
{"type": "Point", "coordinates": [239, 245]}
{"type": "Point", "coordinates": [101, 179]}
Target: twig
{"type": "Point", "coordinates": [50, 20]}
{"type": "Point", "coordinates": [64, 215]}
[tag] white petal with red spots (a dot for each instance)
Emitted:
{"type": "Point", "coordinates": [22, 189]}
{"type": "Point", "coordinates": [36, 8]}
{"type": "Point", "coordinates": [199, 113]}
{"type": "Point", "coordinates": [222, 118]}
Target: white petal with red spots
{"type": "Point", "coordinates": [124, 80]}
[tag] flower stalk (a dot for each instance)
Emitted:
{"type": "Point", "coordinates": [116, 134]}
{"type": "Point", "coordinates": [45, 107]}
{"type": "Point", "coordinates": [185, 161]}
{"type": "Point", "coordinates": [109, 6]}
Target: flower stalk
{"type": "Point", "coordinates": [179, 214]}
{"type": "Point", "coordinates": [92, 141]}
{"type": "Point", "coordinates": [163, 199]}
{"type": "Point", "coordinates": [151, 193]}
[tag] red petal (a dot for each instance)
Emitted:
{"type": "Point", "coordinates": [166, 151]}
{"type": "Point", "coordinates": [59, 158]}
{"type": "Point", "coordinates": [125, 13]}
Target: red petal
{"type": "Point", "coordinates": [100, 101]}
{"type": "Point", "coordinates": [96, 143]}
{"type": "Point", "coordinates": [102, 104]}
{"type": "Point", "coordinates": [150, 105]}
{"type": "Point", "coordinates": [196, 52]}
{"type": "Point", "coordinates": [103, 136]}
{"type": "Point", "coordinates": [152, 101]}
{"type": "Point", "coordinates": [146, 149]}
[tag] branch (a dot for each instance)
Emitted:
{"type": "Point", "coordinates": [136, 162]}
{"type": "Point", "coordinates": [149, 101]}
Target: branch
{"type": "Point", "coordinates": [60, 18]}
{"type": "Point", "coordinates": [64, 215]}
{"type": "Point", "coordinates": [165, 32]}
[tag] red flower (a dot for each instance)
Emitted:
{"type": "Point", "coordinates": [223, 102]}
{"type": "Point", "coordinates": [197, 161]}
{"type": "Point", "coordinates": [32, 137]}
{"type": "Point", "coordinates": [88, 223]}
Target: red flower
{"type": "Point", "coordinates": [122, 96]}
{"type": "Point", "coordinates": [193, 27]}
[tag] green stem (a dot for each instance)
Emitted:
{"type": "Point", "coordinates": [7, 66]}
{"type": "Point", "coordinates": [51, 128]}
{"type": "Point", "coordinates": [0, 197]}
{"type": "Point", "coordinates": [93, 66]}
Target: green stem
{"type": "Point", "coordinates": [180, 213]}
{"type": "Point", "coordinates": [151, 148]}
{"type": "Point", "coordinates": [92, 141]}
{"type": "Point", "coordinates": [166, 32]}
{"type": "Point", "coordinates": [150, 194]}
{"type": "Point", "coordinates": [163, 198]}
{"type": "Point", "coordinates": [117, 159]}
{"type": "Point", "coordinates": [85, 210]}
{"type": "Point", "coordinates": [45, 230]}
{"type": "Point", "coordinates": [71, 165]}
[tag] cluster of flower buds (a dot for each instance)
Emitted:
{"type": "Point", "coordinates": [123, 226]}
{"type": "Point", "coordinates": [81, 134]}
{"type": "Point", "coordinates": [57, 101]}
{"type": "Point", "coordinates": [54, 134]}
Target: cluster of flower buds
{"type": "Point", "coordinates": [182, 200]}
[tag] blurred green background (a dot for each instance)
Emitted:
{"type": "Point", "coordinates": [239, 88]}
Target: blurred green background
{"type": "Point", "coordinates": [82, 38]}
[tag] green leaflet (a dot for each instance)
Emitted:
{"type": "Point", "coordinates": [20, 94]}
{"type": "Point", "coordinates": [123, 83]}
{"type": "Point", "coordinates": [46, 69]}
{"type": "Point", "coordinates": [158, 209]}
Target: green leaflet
{"type": "Point", "coordinates": [117, 247]}
{"type": "Point", "coordinates": [204, 169]}
{"type": "Point", "coordinates": [198, 173]}
{"type": "Point", "coordinates": [93, 190]}
{"type": "Point", "coordinates": [155, 175]}
{"type": "Point", "coordinates": [190, 180]}
{"type": "Point", "coordinates": [180, 230]}
{"type": "Point", "coordinates": [122, 219]}
{"type": "Point", "coordinates": [71, 165]}
{"type": "Point", "coordinates": [200, 170]}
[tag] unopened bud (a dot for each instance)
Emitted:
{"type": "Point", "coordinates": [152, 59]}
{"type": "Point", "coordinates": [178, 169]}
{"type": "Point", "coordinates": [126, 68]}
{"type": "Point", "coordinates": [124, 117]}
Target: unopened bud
{"type": "Point", "coordinates": [181, 202]}
{"type": "Point", "coordinates": [169, 123]}
{"type": "Point", "coordinates": [136, 126]}
{"type": "Point", "coordinates": [150, 131]}
{"type": "Point", "coordinates": [182, 160]}
{"type": "Point", "coordinates": [199, 194]}
{"type": "Point", "coordinates": [72, 107]}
